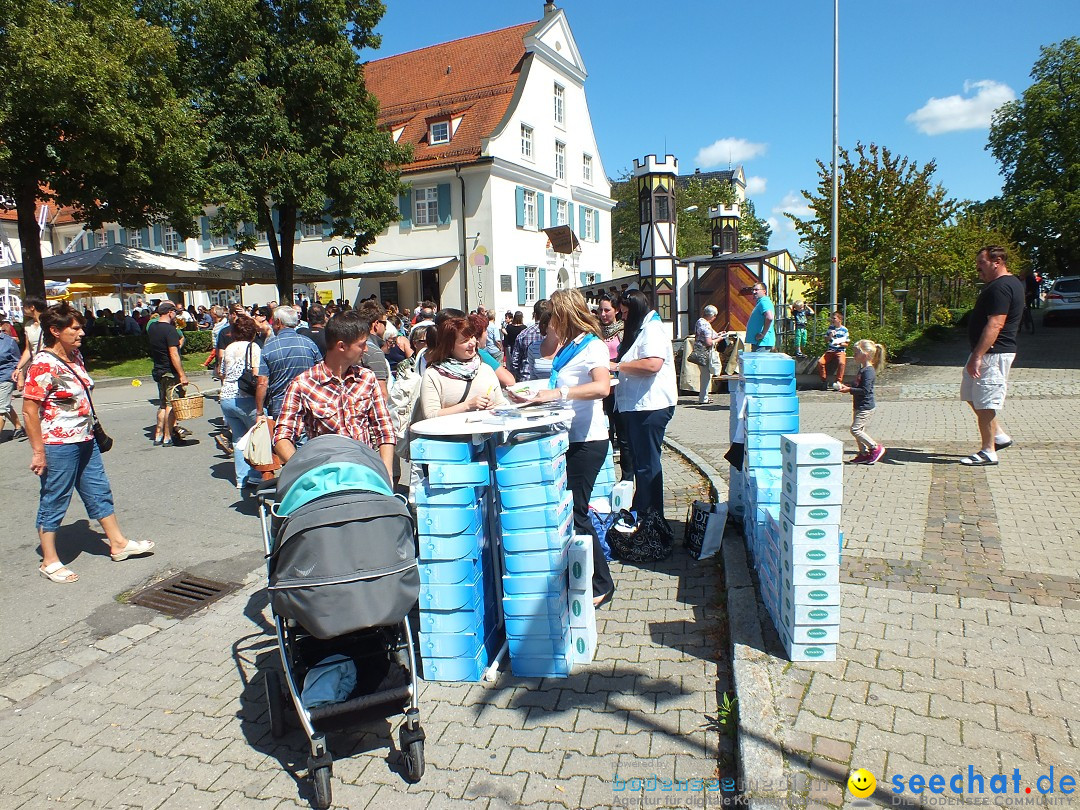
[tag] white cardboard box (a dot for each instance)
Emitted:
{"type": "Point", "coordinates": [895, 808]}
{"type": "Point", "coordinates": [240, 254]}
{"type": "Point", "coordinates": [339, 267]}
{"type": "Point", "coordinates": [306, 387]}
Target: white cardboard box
{"type": "Point", "coordinates": [580, 564]}
{"type": "Point", "coordinates": [811, 448]}
{"type": "Point", "coordinates": [582, 612]}
{"type": "Point", "coordinates": [814, 494]}
{"type": "Point", "coordinates": [810, 553]}
{"type": "Point", "coordinates": [583, 641]}
{"type": "Point", "coordinates": [811, 574]}
{"type": "Point", "coordinates": [813, 475]}
{"type": "Point", "coordinates": [817, 515]}
{"type": "Point", "coordinates": [828, 534]}
{"type": "Point", "coordinates": [806, 595]}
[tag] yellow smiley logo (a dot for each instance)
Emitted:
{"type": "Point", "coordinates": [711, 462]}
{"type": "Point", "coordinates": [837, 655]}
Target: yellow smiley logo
{"type": "Point", "coordinates": [861, 783]}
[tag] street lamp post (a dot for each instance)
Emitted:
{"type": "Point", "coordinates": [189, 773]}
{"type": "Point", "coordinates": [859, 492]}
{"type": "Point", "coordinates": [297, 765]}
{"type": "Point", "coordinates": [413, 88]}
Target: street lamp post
{"type": "Point", "coordinates": [341, 253]}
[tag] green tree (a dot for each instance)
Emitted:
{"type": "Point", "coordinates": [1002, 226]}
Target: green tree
{"type": "Point", "coordinates": [1036, 139]}
{"type": "Point", "coordinates": [89, 118]}
{"type": "Point", "coordinates": [294, 135]}
{"type": "Point", "coordinates": [891, 220]}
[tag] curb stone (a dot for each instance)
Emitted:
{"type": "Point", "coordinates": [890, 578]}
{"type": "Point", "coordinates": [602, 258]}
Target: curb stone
{"type": "Point", "coordinates": [758, 740]}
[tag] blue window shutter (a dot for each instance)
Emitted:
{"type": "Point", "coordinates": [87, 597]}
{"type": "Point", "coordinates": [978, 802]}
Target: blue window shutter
{"type": "Point", "coordinates": [570, 217]}
{"type": "Point", "coordinates": [181, 246]}
{"type": "Point", "coordinates": [122, 238]}
{"type": "Point", "coordinates": [88, 240]}
{"type": "Point", "coordinates": [145, 238]}
{"type": "Point", "coordinates": [204, 224]}
{"type": "Point", "coordinates": [157, 236]}
{"type": "Point", "coordinates": [519, 202]}
{"type": "Point", "coordinates": [275, 218]}
{"type": "Point", "coordinates": [327, 225]}
{"type": "Point", "coordinates": [405, 209]}
{"type": "Point", "coordinates": [110, 237]}
{"type": "Point", "coordinates": [539, 211]}
{"type": "Point", "coordinates": [521, 286]}
{"type": "Point", "coordinates": [596, 225]}
{"type": "Point", "coordinates": [554, 211]}
{"type": "Point", "coordinates": [582, 213]}
{"type": "Point", "coordinates": [584, 278]}
{"type": "Point", "coordinates": [444, 203]}
{"type": "Point", "coordinates": [541, 282]}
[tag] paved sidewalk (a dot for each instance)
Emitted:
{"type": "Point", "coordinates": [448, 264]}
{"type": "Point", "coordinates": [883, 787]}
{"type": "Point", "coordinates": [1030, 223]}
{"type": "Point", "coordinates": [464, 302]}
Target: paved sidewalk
{"type": "Point", "coordinates": [961, 596]}
{"type": "Point", "coordinates": [173, 714]}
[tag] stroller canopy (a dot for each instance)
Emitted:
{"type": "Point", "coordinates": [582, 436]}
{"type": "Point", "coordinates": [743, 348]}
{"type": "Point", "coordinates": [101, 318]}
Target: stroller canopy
{"type": "Point", "coordinates": [326, 465]}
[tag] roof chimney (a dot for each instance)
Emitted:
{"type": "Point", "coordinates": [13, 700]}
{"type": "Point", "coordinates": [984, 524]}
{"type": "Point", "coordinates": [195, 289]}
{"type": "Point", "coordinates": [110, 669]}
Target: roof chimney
{"type": "Point", "coordinates": [549, 7]}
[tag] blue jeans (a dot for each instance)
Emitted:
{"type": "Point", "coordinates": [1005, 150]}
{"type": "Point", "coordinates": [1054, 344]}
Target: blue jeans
{"type": "Point", "coordinates": [239, 413]}
{"type": "Point", "coordinates": [645, 431]}
{"type": "Point", "coordinates": [73, 467]}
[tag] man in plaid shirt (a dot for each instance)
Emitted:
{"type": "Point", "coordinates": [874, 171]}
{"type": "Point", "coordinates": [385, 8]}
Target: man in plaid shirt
{"type": "Point", "coordinates": [337, 396]}
{"type": "Point", "coordinates": [529, 336]}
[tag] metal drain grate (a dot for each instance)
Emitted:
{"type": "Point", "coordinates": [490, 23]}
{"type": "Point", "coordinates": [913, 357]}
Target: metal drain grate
{"type": "Point", "coordinates": [181, 595]}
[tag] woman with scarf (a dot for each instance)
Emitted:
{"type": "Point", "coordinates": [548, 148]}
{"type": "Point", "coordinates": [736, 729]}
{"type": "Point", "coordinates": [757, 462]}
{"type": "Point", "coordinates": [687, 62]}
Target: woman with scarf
{"type": "Point", "coordinates": [580, 378]}
{"type": "Point", "coordinates": [456, 380]}
{"type": "Point", "coordinates": [646, 395]}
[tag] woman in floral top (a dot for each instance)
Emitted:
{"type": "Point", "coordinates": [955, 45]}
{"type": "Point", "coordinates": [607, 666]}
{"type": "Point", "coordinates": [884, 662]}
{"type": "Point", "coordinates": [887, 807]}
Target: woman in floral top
{"type": "Point", "coordinates": [60, 423]}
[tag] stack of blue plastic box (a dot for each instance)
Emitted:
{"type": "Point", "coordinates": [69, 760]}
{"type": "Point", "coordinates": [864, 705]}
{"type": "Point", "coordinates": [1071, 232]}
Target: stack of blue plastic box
{"type": "Point", "coordinates": [770, 407]}
{"type": "Point", "coordinates": [459, 633]}
{"type": "Point", "coordinates": [536, 516]}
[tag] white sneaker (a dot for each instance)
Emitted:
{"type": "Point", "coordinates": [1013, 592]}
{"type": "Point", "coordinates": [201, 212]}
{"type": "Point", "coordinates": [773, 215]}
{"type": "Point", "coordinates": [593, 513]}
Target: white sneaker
{"type": "Point", "coordinates": [834, 387]}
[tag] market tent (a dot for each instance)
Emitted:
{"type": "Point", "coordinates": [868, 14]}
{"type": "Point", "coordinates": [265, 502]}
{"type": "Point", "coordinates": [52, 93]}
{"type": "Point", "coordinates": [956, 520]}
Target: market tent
{"type": "Point", "coordinates": [261, 270]}
{"type": "Point", "coordinates": [119, 264]}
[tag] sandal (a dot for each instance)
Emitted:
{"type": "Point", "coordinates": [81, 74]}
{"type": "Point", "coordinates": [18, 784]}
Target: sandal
{"type": "Point", "coordinates": [134, 548]}
{"type": "Point", "coordinates": [980, 459]}
{"type": "Point", "coordinates": [58, 573]}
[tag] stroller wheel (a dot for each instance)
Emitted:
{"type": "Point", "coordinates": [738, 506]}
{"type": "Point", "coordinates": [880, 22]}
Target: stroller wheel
{"type": "Point", "coordinates": [414, 761]}
{"type": "Point", "coordinates": [320, 779]}
{"type": "Point", "coordinates": [275, 702]}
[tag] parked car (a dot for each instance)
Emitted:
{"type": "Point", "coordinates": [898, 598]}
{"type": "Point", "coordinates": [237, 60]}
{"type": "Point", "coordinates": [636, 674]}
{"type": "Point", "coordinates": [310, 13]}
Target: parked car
{"type": "Point", "coordinates": [1062, 300]}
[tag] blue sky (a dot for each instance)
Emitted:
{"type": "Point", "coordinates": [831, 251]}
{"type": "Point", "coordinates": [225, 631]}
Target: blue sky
{"type": "Point", "coordinates": [752, 81]}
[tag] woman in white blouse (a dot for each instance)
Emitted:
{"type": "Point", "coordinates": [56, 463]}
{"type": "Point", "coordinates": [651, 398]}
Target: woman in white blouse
{"type": "Point", "coordinates": [237, 406]}
{"type": "Point", "coordinates": [646, 395]}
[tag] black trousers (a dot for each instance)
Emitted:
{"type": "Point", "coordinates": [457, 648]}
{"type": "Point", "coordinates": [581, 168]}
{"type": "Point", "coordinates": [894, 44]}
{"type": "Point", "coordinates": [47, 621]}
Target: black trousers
{"type": "Point", "coordinates": [583, 463]}
{"type": "Point", "coordinates": [646, 434]}
{"type": "Point", "coordinates": [617, 434]}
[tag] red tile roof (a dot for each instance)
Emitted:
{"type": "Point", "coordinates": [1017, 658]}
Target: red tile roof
{"type": "Point", "coordinates": [473, 78]}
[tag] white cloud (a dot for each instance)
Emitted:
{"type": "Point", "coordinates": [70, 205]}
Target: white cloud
{"type": "Point", "coordinates": [958, 112]}
{"type": "Point", "coordinates": [728, 150]}
{"type": "Point", "coordinates": [792, 203]}
{"type": "Point", "coordinates": [755, 185]}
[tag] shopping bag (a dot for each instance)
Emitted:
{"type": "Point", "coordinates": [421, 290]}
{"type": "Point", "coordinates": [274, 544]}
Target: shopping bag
{"type": "Point", "coordinates": [260, 445]}
{"type": "Point", "coordinates": [704, 528]}
{"type": "Point", "coordinates": [646, 540]}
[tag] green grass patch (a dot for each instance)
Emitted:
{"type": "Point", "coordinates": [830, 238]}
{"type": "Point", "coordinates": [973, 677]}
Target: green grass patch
{"type": "Point", "coordinates": [140, 367]}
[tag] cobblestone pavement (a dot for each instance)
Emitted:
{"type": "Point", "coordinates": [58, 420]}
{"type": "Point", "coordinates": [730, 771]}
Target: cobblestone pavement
{"type": "Point", "coordinates": [171, 714]}
{"type": "Point", "coordinates": [960, 592]}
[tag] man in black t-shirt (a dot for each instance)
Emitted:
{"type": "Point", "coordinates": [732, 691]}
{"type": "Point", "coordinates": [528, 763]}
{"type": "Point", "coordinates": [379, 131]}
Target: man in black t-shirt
{"type": "Point", "coordinates": [992, 330]}
{"type": "Point", "coordinates": [168, 370]}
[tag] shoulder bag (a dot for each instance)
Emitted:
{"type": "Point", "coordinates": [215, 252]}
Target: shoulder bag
{"type": "Point", "coordinates": [245, 383]}
{"type": "Point", "coordinates": [701, 354]}
{"type": "Point", "coordinates": [101, 438]}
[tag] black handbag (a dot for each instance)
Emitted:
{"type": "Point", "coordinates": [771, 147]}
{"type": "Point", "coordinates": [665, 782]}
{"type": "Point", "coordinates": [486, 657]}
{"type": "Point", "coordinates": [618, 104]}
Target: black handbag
{"type": "Point", "coordinates": [701, 355]}
{"type": "Point", "coordinates": [101, 438]}
{"type": "Point", "coordinates": [651, 540]}
{"type": "Point", "coordinates": [245, 383]}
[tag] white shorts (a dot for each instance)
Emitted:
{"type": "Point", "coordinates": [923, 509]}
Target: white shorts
{"type": "Point", "coordinates": [987, 393]}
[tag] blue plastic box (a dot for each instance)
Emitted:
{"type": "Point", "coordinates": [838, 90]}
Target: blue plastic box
{"type": "Point", "coordinates": [446, 474]}
{"type": "Point", "coordinates": [524, 606]}
{"type": "Point", "coordinates": [428, 495]}
{"type": "Point", "coordinates": [464, 668]}
{"type": "Point", "coordinates": [536, 495]}
{"type": "Point", "coordinates": [757, 405]}
{"type": "Point", "coordinates": [538, 517]}
{"type": "Point", "coordinates": [529, 474]}
{"type": "Point", "coordinates": [468, 619]}
{"type": "Point", "coordinates": [449, 520]}
{"type": "Point", "coordinates": [424, 449]}
{"type": "Point", "coordinates": [451, 597]}
{"type": "Point", "coordinates": [451, 645]}
{"type": "Point", "coordinates": [541, 666]}
{"type": "Point", "coordinates": [450, 572]}
{"type": "Point", "coordinates": [762, 459]}
{"type": "Point", "coordinates": [763, 441]}
{"type": "Point", "coordinates": [455, 547]}
{"type": "Point", "coordinates": [540, 646]}
{"type": "Point", "coordinates": [535, 562]}
{"type": "Point", "coordinates": [773, 423]}
{"type": "Point", "coordinates": [542, 539]}
{"type": "Point", "coordinates": [543, 449]}
{"type": "Point", "coordinates": [776, 386]}
{"type": "Point", "coordinates": [765, 364]}
{"type": "Point", "coordinates": [545, 624]}
{"type": "Point", "coordinates": [538, 583]}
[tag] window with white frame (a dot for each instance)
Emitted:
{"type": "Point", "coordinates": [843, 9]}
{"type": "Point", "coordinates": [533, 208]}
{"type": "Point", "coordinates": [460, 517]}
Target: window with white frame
{"type": "Point", "coordinates": [526, 141]}
{"type": "Point", "coordinates": [588, 232]}
{"type": "Point", "coordinates": [560, 160]}
{"type": "Point", "coordinates": [440, 132]}
{"type": "Point", "coordinates": [586, 168]}
{"type": "Point", "coordinates": [262, 236]}
{"type": "Point", "coordinates": [560, 104]}
{"type": "Point", "coordinates": [561, 213]}
{"type": "Point", "coordinates": [100, 240]}
{"type": "Point", "coordinates": [426, 205]}
{"type": "Point", "coordinates": [529, 205]}
{"type": "Point", "coordinates": [170, 239]}
{"type": "Point", "coordinates": [532, 284]}
{"type": "Point", "coordinates": [307, 229]}
{"type": "Point", "coordinates": [223, 241]}
{"type": "Point", "coordinates": [134, 238]}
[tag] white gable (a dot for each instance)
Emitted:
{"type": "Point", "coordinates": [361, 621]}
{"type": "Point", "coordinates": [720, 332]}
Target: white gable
{"type": "Point", "coordinates": [552, 41]}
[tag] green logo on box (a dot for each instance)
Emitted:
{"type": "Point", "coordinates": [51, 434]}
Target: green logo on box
{"type": "Point", "coordinates": [820, 472]}
{"type": "Point", "coordinates": [581, 646]}
{"type": "Point", "coordinates": [814, 652]}
{"type": "Point", "coordinates": [818, 514]}
{"type": "Point", "coordinates": [820, 452]}
{"type": "Point", "coordinates": [816, 573]}
{"type": "Point", "coordinates": [815, 554]}
{"type": "Point", "coordinates": [818, 615]}
{"type": "Point", "coordinates": [816, 632]}
{"type": "Point", "coordinates": [816, 534]}
{"type": "Point", "coordinates": [787, 446]}
{"type": "Point", "coordinates": [577, 570]}
{"type": "Point", "coordinates": [576, 607]}
{"type": "Point", "coordinates": [818, 595]}
{"type": "Point", "coordinates": [820, 493]}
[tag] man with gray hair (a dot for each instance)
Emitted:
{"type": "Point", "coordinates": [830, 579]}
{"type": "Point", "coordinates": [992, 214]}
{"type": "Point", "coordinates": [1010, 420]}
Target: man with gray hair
{"type": "Point", "coordinates": [284, 356]}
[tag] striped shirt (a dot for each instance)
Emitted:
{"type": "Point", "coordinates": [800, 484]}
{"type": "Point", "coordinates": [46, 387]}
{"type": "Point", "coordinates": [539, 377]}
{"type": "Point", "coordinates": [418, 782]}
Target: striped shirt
{"type": "Point", "coordinates": [317, 402]}
{"type": "Point", "coordinates": [284, 356]}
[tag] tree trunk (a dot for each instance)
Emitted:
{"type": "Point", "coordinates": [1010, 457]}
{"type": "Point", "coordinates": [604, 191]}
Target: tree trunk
{"type": "Point", "coordinates": [30, 241]}
{"type": "Point", "coordinates": [881, 301]}
{"type": "Point", "coordinates": [281, 243]}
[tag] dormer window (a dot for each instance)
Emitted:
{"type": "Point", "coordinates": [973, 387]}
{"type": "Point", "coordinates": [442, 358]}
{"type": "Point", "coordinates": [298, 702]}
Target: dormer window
{"type": "Point", "coordinates": [440, 132]}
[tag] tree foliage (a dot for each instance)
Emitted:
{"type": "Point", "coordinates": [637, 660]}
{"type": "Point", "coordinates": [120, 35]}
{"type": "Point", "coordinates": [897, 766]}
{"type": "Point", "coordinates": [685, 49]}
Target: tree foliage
{"type": "Point", "coordinates": [292, 127]}
{"type": "Point", "coordinates": [89, 118]}
{"type": "Point", "coordinates": [1036, 139]}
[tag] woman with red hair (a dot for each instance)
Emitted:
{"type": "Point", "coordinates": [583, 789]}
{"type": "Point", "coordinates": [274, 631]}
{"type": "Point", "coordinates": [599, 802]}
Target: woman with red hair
{"type": "Point", "coordinates": [457, 380]}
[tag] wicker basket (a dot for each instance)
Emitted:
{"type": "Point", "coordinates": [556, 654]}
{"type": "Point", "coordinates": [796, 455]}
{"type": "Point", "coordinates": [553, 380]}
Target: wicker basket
{"type": "Point", "coordinates": [189, 407]}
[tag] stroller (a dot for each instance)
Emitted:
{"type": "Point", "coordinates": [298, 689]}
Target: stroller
{"type": "Point", "coordinates": [341, 564]}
